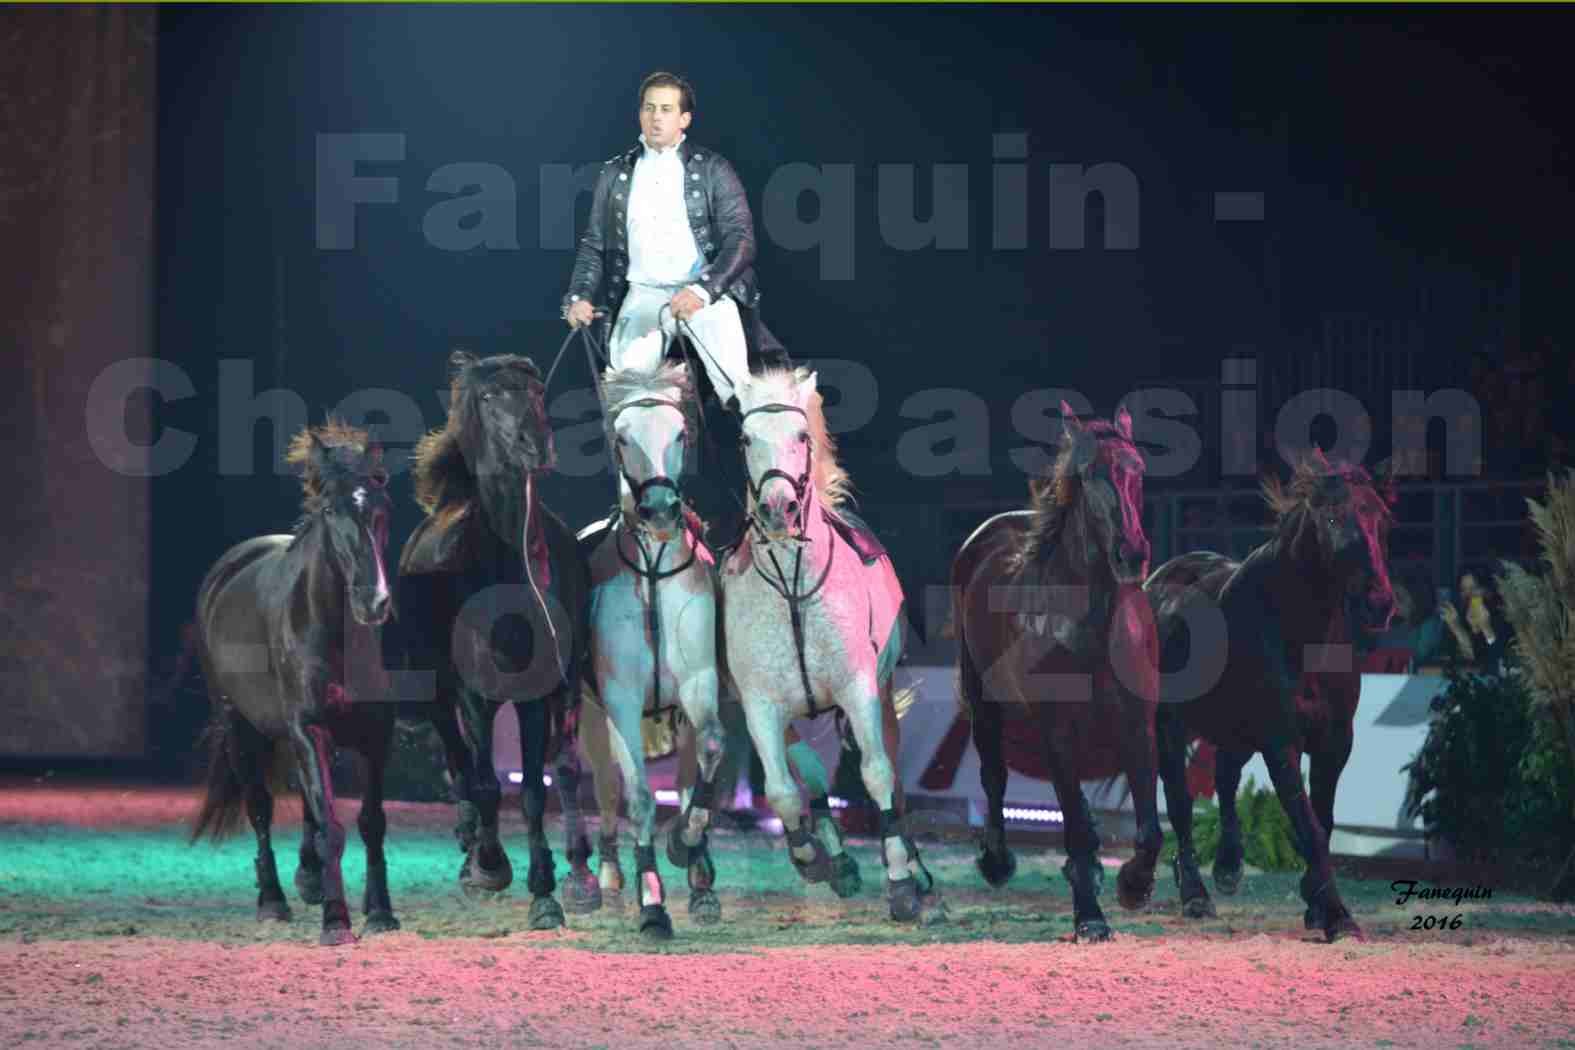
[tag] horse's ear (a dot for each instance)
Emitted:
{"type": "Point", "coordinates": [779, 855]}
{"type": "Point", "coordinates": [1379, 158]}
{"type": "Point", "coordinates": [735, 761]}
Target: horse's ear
{"type": "Point", "coordinates": [808, 388]}
{"type": "Point", "coordinates": [1124, 422]}
{"type": "Point", "coordinates": [1070, 424]}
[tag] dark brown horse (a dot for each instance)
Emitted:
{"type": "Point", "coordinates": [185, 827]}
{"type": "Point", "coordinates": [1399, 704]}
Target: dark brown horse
{"type": "Point", "coordinates": [1052, 626]}
{"type": "Point", "coordinates": [277, 618]}
{"type": "Point", "coordinates": [495, 592]}
{"type": "Point", "coordinates": [1258, 658]}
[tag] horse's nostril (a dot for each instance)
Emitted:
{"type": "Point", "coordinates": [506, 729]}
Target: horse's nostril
{"type": "Point", "coordinates": [646, 513]}
{"type": "Point", "coordinates": [792, 507]}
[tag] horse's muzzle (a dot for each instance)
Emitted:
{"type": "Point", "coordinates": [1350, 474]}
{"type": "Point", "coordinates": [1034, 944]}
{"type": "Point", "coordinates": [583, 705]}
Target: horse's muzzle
{"type": "Point", "coordinates": [778, 514]}
{"type": "Point", "coordinates": [1130, 564]}
{"type": "Point", "coordinates": [369, 607]}
{"type": "Point", "coordinates": [534, 451]}
{"type": "Point", "coordinates": [660, 511]}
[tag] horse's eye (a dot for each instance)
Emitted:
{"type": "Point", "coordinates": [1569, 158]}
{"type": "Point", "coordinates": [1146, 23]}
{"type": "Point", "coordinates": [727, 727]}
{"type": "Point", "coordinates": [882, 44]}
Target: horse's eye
{"type": "Point", "coordinates": [803, 437]}
{"type": "Point", "coordinates": [744, 439]}
{"type": "Point", "coordinates": [488, 395]}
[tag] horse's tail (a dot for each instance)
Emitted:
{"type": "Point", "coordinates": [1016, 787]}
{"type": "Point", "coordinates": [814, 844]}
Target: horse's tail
{"type": "Point", "coordinates": [970, 684]}
{"type": "Point", "coordinates": [221, 806]}
{"type": "Point", "coordinates": [220, 814]}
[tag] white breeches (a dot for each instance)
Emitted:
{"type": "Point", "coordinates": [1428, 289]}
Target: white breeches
{"type": "Point", "coordinates": [637, 343]}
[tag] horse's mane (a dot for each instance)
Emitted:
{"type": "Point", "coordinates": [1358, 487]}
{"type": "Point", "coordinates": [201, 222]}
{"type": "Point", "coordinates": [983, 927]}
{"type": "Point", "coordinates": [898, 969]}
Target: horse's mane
{"type": "Point", "coordinates": [631, 384]}
{"type": "Point", "coordinates": [442, 475]}
{"type": "Point", "coordinates": [1310, 474]}
{"type": "Point", "coordinates": [833, 487]}
{"type": "Point", "coordinates": [334, 435]}
{"type": "Point", "coordinates": [1292, 502]}
{"type": "Point", "coordinates": [1052, 497]}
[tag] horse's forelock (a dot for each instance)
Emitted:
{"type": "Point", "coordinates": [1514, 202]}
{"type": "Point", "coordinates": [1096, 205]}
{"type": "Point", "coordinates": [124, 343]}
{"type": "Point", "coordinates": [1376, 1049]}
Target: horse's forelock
{"type": "Point", "coordinates": [669, 381]}
{"type": "Point", "coordinates": [783, 386]}
{"type": "Point", "coordinates": [773, 386]}
{"type": "Point", "coordinates": [346, 449]}
{"type": "Point", "coordinates": [1053, 497]}
{"type": "Point", "coordinates": [1314, 474]}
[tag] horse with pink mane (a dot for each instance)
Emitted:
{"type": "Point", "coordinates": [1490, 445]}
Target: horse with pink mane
{"type": "Point", "coordinates": [1258, 659]}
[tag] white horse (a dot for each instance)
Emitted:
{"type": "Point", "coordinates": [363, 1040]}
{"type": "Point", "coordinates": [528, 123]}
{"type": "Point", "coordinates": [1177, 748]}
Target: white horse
{"type": "Point", "coordinates": [813, 620]}
{"type": "Point", "coordinates": [653, 627]}
{"type": "Point", "coordinates": [653, 644]}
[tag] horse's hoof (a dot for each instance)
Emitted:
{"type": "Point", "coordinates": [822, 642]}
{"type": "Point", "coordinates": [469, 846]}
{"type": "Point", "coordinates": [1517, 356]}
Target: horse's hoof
{"type": "Point", "coordinates": [818, 868]}
{"type": "Point", "coordinates": [679, 853]}
{"type": "Point", "coordinates": [309, 884]}
{"type": "Point", "coordinates": [1227, 880]}
{"type": "Point", "coordinates": [655, 923]}
{"type": "Point", "coordinates": [273, 911]}
{"type": "Point", "coordinates": [1198, 908]}
{"type": "Point", "coordinates": [705, 908]}
{"type": "Point", "coordinates": [1093, 931]}
{"type": "Point", "coordinates": [903, 896]}
{"type": "Point", "coordinates": [1342, 928]}
{"type": "Point", "coordinates": [1134, 887]}
{"type": "Point", "coordinates": [932, 910]}
{"type": "Point", "coordinates": [476, 880]}
{"type": "Point", "coordinates": [1312, 919]}
{"type": "Point", "coordinates": [380, 922]}
{"type": "Point", "coordinates": [582, 894]}
{"type": "Point", "coordinates": [997, 868]}
{"type": "Point", "coordinates": [334, 936]}
{"type": "Point", "coordinates": [845, 879]}
{"type": "Point", "coordinates": [545, 914]}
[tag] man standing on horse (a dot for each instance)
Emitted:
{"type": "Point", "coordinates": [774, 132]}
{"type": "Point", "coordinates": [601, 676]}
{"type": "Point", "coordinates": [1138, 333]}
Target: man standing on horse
{"type": "Point", "coordinates": [671, 239]}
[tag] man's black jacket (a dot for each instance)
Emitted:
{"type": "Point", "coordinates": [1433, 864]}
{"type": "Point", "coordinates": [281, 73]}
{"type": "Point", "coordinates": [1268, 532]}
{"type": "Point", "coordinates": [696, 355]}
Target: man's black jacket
{"type": "Point", "coordinates": [723, 228]}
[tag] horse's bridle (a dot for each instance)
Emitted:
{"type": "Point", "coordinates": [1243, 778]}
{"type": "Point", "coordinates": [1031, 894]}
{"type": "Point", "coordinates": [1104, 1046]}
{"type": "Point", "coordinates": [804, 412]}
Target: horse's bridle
{"type": "Point", "coordinates": [639, 488]}
{"type": "Point", "coordinates": [799, 484]}
{"type": "Point", "coordinates": [792, 592]}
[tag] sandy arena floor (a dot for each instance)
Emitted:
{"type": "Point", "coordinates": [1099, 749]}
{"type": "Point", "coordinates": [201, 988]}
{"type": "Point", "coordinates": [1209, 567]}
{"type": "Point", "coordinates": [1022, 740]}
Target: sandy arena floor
{"type": "Point", "coordinates": [113, 933]}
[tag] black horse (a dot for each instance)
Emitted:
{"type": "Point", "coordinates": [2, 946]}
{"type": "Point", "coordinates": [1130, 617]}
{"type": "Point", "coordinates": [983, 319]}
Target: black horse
{"type": "Point", "coordinates": [1052, 626]}
{"type": "Point", "coordinates": [495, 598]}
{"type": "Point", "coordinates": [1259, 659]}
{"type": "Point", "coordinates": [278, 617]}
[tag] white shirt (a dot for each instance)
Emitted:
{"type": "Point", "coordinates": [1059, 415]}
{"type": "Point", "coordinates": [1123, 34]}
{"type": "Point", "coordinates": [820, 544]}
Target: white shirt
{"type": "Point", "coordinates": [662, 249]}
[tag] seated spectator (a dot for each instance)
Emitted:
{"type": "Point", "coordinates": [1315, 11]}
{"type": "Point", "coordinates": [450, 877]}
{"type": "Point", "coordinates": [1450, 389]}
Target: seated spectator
{"type": "Point", "coordinates": [1481, 638]}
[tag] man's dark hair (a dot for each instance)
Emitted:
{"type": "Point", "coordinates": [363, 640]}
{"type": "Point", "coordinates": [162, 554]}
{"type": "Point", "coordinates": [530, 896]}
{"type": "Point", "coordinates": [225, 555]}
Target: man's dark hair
{"type": "Point", "coordinates": [686, 93]}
